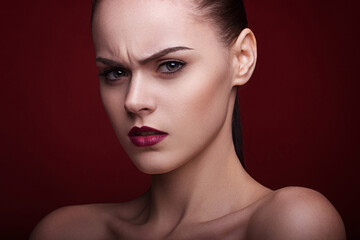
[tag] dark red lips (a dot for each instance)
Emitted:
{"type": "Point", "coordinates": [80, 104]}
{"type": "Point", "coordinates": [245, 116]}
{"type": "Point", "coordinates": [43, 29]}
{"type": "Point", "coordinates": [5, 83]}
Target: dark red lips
{"type": "Point", "coordinates": [146, 136]}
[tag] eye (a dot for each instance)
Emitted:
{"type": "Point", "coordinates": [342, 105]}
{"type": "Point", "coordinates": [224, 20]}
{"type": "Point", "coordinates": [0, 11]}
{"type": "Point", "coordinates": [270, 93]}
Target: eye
{"type": "Point", "coordinates": [113, 74]}
{"type": "Point", "coordinates": [170, 67]}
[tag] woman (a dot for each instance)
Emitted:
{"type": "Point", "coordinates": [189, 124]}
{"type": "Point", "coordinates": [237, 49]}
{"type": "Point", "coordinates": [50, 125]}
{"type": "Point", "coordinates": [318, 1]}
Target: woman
{"type": "Point", "coordinates": [169, 73]}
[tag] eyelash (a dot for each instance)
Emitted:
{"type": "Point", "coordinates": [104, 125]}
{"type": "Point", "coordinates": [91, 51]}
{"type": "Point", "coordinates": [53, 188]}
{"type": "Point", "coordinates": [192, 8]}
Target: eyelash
{"type": "Point", "coordinates": [180, 65]}
{"type": "Point", "coordinates": [123, 73]}
{"type": "Point", "coordinates": [116, 70]}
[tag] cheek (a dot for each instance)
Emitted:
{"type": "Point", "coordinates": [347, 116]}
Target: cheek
{"type": "Point", "coordinates": [113, 101]}
{"type": "Point", "coordinates": [202, 107]}
{"type": "Point", "coordinates": [208, 95]}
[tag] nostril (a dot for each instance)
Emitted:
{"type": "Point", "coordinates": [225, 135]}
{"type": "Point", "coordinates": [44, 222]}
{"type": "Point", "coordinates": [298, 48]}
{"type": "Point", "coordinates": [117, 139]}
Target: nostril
{"type": "Point", "coordinates": [130, 110]}
{"type": "Point", "coordinates": [137, 109]}
{"type": "Point", "coordinates": [139, 102]}
{"type": "Point", "coordinates": [130, 114]}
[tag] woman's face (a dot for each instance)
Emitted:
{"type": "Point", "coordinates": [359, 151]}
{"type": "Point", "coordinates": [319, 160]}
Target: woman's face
{"type": "Point", "coordinates": [162, 69]}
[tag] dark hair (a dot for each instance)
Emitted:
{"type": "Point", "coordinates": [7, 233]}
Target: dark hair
{"type": "Point", "coordinates": [229, 18]}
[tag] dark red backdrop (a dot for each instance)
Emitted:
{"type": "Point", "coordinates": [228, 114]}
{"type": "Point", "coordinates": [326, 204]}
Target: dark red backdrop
{"type": "Point", "coordinates": [300, 111]}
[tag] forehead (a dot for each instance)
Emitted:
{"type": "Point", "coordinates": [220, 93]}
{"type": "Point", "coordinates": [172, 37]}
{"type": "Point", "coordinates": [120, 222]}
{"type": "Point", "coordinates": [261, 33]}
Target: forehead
{"type": "Point", "coordinates": [144, 26]}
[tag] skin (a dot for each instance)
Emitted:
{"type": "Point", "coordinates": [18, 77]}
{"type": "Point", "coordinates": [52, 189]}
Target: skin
{"type": "Point", "coordinates": [199, 189]}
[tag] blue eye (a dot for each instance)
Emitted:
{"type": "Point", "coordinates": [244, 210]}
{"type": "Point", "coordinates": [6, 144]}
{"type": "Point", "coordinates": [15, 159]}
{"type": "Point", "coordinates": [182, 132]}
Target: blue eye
{"type": "Point", "coordinates": [170, 67]}
{"type": "Point", "coordinates": [113, 74]}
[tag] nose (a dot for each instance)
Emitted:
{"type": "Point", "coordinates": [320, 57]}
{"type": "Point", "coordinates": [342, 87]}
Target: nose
{"type": "Point", "coordinates": [139, 99]}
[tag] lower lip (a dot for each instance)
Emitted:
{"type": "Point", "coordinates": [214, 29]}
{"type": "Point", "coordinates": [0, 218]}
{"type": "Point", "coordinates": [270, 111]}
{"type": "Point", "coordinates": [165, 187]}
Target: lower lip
{"type": "Point", "coordinates": [146, 141]}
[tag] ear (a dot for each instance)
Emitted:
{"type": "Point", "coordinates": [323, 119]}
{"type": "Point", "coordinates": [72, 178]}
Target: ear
{"type": "Point", "coordinates": [244, 55]}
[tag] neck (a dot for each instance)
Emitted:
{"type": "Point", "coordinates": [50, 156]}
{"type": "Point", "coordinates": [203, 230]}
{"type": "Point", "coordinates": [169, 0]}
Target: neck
{"type": "Point", "coordinates": [209, 186]}
{"type": "Point", "coordinates": [205, 188]}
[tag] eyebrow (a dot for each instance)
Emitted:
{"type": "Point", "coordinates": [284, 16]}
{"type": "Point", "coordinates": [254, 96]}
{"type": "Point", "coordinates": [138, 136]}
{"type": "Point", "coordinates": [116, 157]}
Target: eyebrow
{"type": "Point", "coordinates": [108, 62]}
{"type": "Point", "coordinates": [156, 55]}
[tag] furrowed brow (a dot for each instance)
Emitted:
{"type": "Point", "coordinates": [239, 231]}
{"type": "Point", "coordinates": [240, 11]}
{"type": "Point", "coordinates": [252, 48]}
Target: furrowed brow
{"type": "Point", "coordinates": [162, 53]}
{"type": "Point", "coordinates": [157, 55]}
{"type": "Point", "coordinates": [108, 62]}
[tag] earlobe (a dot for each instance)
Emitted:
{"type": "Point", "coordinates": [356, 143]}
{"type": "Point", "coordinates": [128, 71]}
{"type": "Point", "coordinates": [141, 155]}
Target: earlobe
{"type": "Point", "coordinates": [245, 55]}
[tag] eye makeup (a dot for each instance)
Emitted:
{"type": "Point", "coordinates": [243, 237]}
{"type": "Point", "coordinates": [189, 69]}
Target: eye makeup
{"type": "Point", "coordinates": [171, 66]}
{"type": "Point", "coordinates": [114, 73]}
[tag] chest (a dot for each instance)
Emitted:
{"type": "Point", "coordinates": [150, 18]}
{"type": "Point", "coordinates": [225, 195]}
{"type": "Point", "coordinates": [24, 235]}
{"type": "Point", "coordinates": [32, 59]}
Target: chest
{"type": "Point", "coordinates": [230, 227]}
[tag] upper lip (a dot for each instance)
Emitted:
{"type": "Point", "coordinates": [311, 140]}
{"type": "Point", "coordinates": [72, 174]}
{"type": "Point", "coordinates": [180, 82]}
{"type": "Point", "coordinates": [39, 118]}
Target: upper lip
{"type": "Point", "coordinates": [136, 131]}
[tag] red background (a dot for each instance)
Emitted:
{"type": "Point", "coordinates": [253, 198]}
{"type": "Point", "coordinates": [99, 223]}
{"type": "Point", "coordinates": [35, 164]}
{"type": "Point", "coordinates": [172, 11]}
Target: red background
{"type": "Point", "coordinates": [300, 110]}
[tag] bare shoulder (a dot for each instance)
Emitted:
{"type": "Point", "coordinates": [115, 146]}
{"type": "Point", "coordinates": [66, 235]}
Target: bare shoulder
{"type": "Point", "coordinates": [92, 221]}
{"type": "Point", "coordinates": [72, 222]}
{"type": "Point", "coordinates": [296, 213]}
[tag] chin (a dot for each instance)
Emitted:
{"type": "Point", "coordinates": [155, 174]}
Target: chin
{"type": "Point", "coordinates": [152, 163]}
